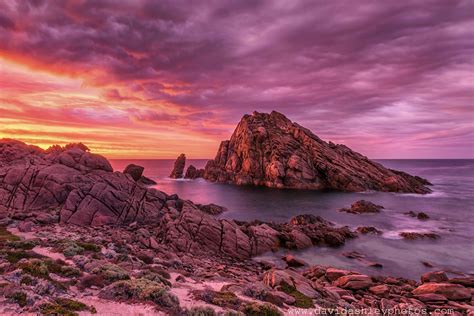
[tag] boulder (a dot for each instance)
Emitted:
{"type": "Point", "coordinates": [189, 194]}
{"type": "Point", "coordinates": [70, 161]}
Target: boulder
{"type": "Point", "coordinates": [291, 261]}
{"type": "Point", "coordinates": [333, 274]}
{"type": "Point", "coordinates": [362, 206]}
{"type": "Point", "coordinates": [354, 282]}
{"type": "Point", "coordinates": [420, 215]}
{"type": "Point", "coordinates": [270, 150]}
{"type": "Point", "coordinates": [435, 276]}
{"type": "Point", "coordinates": [134, 171]}
{"type": "Point", "coordinates": [455, 292]}
{"type": "Point", "coordinates": [178, 168]}
{"type": "Point", "coordinates": [368, 230]}
{"type": "Point", "coordinates": [416, 235]}
{"type": "Point", "coordinates": [212, 209]}
{"type": "Point", "coordinates": [275, 278]}
{"type": "Point", "coordinates": [381, 290]}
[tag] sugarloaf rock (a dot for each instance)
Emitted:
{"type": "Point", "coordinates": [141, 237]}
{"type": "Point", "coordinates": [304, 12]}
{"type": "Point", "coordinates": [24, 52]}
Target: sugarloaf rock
{"type": "Point", "coordinates": [270, 150]}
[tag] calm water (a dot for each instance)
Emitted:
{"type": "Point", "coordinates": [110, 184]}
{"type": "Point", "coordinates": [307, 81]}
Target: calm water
{"type": "Point", "coordinates": [450, 206]}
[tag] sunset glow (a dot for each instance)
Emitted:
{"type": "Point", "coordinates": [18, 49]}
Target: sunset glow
{"type": "Point", "coordinates": [146, 79]}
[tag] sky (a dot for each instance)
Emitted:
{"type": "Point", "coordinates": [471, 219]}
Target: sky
{"type": "Point", "coordinates": [152, 79]}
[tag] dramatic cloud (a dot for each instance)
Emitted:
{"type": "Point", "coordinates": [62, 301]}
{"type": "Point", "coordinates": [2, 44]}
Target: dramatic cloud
{"type": "Point", "coordinates": [154, 78]}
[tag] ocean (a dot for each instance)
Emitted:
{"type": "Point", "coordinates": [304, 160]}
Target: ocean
{"type": "Point", "coordinates": [450, 207]}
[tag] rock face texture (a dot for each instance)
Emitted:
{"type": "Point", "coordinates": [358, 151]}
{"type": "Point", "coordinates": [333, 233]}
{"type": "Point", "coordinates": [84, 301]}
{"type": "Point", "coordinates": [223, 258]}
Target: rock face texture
{"type": "Point", "coordinates": [270, 150]}
{"type": "Point", "coordinates": [193, 173]}
{"type": "Point", "coordinates": [136, 172]}
{"type": "Point", "coordinates": [81, 185]}
{"type": "Point", "coordinates": [178, 169]}
{"type": "Point", "coordinates": [362, 206]}
{"type": "Point", "coordinates": [71, 185]}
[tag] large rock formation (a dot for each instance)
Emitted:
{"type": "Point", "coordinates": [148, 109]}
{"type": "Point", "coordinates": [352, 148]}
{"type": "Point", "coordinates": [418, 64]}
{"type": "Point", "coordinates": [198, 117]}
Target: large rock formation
{"type": "Point", "coordinates": [80, 184]}
{"type": "Point", "coordinates": [178, 168]}
{"type": "Point", "coordinates": [270, 150]}
{"type": "Point", "coordinates": [82, 189]}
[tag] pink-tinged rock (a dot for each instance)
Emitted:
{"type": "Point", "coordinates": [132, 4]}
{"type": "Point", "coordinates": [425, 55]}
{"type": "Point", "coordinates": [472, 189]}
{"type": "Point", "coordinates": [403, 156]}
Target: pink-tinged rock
{"type": "Point", "coordinates": [333, 274]}
{"type": "Point", "coordinates": [275, 277]}
{"type": "Point", "coordinates": [354, 282]}
{"type": "Point", "coordinates": [362, 207]}
{"type": "Point", "coordinates": [300, 240]}
{"type": "Point", "coordinates": [178, 168]}
{"type": "Point", "coordinates": [431, 297]}
{"type": "Point", "coordinates": [291, 261]}
{"type": "Point", "coordinates": [380, 290]}
{"type": "Point", "coordinates": [453, 292]}
{"type": "Point", "coordinates": [135, 171]}
{"type": "Point", "coordinates": [435, 276]}
{"type": "Point", "coordinates": [153, 243]}
{"type": "Point", "coordinates": [270, 150]}
{"type": "Point", "coordinates": [25, 227]}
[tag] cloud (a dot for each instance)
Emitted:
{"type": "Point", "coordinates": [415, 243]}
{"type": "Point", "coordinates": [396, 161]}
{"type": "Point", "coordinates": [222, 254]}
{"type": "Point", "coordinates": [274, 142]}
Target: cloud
{"type": "Point", "coordinates": [354, 72]}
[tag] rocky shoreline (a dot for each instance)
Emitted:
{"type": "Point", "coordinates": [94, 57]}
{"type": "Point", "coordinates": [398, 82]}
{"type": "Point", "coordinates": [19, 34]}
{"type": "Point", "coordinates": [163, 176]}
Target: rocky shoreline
{"type": "Point", "coordinates": [78, 238]}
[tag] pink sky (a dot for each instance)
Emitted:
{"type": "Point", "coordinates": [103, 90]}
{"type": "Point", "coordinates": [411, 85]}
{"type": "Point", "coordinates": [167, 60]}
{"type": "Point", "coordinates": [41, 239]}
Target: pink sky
{"type": "Point", "coordinates": [152, 79]}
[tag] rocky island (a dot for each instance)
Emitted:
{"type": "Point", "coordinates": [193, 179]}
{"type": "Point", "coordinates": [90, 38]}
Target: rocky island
{"type": "Point", "coordinates": [75, 236]}
{"type": "Point", "coordinates": [270, 150]}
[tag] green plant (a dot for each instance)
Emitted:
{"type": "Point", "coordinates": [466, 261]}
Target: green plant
{"type": "Point", "coordinates": [26, 280]}
{"type": "Point", "coordinates": [66, 307]}
{"type": "Point", "coordinates": [15, 256]}
{"type": "Point", "coordinates": [141, 289]}
{"type": "Point", "coordinates": [255, 309]}
{"type": "Point", "coordinates": [301, 300]}
{"type": "Point", "coordinates": [6, 236]}
{"type": "Point", "coordinates": [20, 298]}
{"type": "Point", "coordinates": [89, 246]}
{"type": "Point", "coordinates": [111, 272]}
{"type": "Point", "coordinates": [200, 311]}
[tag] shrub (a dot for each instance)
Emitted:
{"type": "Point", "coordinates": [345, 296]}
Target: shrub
{"type": "Point", "coordinates": [223, 298]}
{"type": "Point", "coordinates": [22, 244]}
{"type": "Point", "coordinates": [65, 306]}
{"type": "Point", "coordinates": [89, 246]}
{"type": "Point", "coordinates": [200, 311]}
{"type": "Point", "coordinates": [20, 298]}
{"type": "Point", "coordinates": [72, 249]}
{"type": "Point", "coordinates": [36, 268]}
{"type": "Point", "coordinates": [255, 309]}
{"type": "Point", "coordinates": [26, 280]}
{"type": "Point", "coordinates": [15, 256]}
{"type": "Point", "coordinates": [111, 272]}
{"type": "Point", "coordinates": [141, 289]}
{"type": "Point", "coordinates": [301, 300]}
{"type": "Point", "coordinates": [6, 236]}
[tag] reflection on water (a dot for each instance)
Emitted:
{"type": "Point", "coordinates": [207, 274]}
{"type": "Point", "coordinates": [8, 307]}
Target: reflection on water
{"type": "Point", "coordinates": [450, 207]}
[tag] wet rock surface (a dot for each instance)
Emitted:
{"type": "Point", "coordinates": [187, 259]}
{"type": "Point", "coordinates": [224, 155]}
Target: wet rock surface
{"type": "Point", "coordinates": [270, 150]}
{"type": "Point", "coordinates": [363, 207]}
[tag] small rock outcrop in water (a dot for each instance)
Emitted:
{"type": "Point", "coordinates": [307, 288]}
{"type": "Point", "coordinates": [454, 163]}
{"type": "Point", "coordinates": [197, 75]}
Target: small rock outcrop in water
{"type": "Point", "coordinates": [193, 173]}
{"type": "Point", "coordinates": [178, 169]}
{"type": "Point", "coordinates": [362, 206]}
{"type": "Point", "coordinates": [270, 150]}
{"type": "Point", "coordinates": [421, 215]}
{"type": "Point", "coordinates": [136, 172]}
{"type": "Point", "coordinates": [416, 235]}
